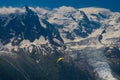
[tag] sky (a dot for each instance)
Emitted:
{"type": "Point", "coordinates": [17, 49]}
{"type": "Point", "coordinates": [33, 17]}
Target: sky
{"type": "Point", "coordinates": [113, 5]}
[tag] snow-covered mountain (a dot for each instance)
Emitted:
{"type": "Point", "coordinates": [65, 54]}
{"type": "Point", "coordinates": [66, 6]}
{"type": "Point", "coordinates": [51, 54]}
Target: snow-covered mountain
{"type": "Point", "coordinates": [27, 30]}
{"type": "Point", "coordinates": [88, 37]}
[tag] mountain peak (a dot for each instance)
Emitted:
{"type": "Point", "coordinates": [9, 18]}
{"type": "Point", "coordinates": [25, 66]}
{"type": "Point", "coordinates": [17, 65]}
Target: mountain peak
{"type": "Point", "coordinates": [84, 16]}
{"type": "Point", "coordinates": [28, 10]}
{"type": "Point", "coordinates": [27, 26]}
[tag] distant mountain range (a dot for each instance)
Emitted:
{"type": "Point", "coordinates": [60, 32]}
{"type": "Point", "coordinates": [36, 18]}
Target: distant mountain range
{"type": "Point", "coordinates": [87, 37]}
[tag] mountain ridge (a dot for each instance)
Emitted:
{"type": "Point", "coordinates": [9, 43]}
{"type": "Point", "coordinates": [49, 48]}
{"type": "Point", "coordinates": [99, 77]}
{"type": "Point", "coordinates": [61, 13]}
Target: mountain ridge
{"type": "Point", "coordinates": [88, 35]}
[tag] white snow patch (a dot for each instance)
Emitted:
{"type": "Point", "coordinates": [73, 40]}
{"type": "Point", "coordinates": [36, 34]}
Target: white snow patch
{"type": "Point", "coordinates": [7, 22]}
{"type": "Point", "coordinates": [24, 43]}
{"type": "Point", "coordinates": [42, 24]}
{"type": "Point", "coordinates": [95, 10]}
{"type": "Point", "coordinates": [10, 47]}
{"type": "Point", "coordinates": [42, 40]}
{"type": "Point", "coordinates": [65, 9]}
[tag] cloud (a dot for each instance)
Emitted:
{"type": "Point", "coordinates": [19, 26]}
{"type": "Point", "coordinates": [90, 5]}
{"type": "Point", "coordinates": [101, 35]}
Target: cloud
{"type": "Point", "coordinates": [65, 9]}
{"type": "Point", "coordinates": [62, 9]}
{"type": "Point", "coordinates": [8, 10]}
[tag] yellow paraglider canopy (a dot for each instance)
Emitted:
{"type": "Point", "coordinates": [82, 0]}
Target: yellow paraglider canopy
{"type": "Point", "coordinates": [60, 59]}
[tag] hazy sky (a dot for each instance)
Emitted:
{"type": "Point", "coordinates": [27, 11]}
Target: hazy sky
{"type": "Point", "coordinates": [114, 5]}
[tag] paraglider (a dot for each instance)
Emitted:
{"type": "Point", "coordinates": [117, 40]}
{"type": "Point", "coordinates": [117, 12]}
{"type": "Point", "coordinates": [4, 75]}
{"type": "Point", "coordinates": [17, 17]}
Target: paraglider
{"type": "Point", "coordinates": [60, 59]}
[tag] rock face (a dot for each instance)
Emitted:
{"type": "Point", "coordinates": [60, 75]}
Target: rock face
{"type": "Point", "coordinates": [18, 29]}
{"type": "Point", "coordinates": [88, 39]}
